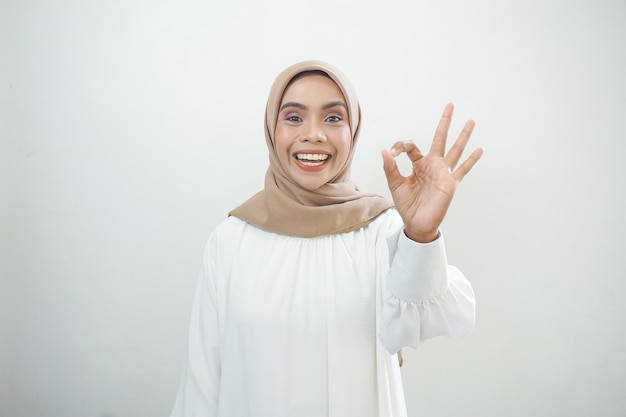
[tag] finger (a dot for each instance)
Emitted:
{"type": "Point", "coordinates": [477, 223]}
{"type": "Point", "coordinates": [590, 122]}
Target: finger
{"type": "Point", "coordinates": [391, 169]}
{"type": "Point", "coordinates": [455, 152]}
{"type": "Point", "coordinates": [409, 147]}
{"type": "Point", "coordinates": [468, 164]}
{"type": "Point", "coordinates": [441, 133]}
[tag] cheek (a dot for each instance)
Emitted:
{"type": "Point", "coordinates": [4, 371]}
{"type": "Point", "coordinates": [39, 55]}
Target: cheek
{"type": "Point", "coordinates": [344, 144]}
{"type": "Point", "coordinates": [280, 140]}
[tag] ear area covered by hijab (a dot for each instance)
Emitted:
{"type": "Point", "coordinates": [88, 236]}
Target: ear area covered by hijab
{"type": "Point", "coordinates": [285, 208]}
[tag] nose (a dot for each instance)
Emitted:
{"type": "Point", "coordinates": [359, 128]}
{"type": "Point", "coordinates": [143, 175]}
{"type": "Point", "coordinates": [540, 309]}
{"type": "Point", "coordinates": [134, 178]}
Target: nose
{"type": "Point", "coordinates": [315, 133]}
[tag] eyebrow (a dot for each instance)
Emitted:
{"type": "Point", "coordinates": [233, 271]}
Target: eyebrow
{"type": "Point", "coordinates": [334, 104]}
{"type": "Point", "coordinates": [303, 107]}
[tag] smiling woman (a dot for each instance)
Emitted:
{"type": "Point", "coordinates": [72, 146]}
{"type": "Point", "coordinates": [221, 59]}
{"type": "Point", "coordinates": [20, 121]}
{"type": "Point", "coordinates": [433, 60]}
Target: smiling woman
{"type": "Point", "coordinates": [312, 135]}
{"type": "Point", "coordinates": [310, 288]}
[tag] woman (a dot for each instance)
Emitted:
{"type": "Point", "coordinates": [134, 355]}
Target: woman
{"type": "Point", "coordinates": [310, 288]}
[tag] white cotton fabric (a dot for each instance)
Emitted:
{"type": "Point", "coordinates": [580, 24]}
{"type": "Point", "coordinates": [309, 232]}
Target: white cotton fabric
{"type": "Point", "coordinates": [309, 327]}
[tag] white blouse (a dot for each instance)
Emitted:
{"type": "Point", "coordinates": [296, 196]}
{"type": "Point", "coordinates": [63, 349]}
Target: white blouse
{"type": "Point", "coordinates": [309, 327]}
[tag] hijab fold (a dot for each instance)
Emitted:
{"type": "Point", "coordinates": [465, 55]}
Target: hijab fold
{"type": "Point", "coordinates": [283, 206]}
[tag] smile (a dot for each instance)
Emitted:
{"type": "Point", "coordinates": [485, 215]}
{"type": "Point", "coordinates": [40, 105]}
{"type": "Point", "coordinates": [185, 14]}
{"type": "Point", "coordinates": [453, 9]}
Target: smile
{"type": "Point", "coordinates": [312, 159]}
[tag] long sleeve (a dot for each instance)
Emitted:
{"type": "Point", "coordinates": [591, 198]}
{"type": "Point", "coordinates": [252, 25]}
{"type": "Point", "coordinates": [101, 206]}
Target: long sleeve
{"type": "Point", "coordinates": [424, 297]}
{"type": "Point", "coordinates": [285, 326]}
{"type": "Point", "coordinates": [199, 386]}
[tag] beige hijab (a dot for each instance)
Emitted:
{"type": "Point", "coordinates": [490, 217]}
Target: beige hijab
{"type": "Point", "coordinates": [284, 207]}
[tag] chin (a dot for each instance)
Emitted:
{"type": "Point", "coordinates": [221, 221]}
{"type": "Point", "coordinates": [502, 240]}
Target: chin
{"type": "Point", "coordinates": [309, 182]}
{"type": "Point", "coordinates": [311, 185]}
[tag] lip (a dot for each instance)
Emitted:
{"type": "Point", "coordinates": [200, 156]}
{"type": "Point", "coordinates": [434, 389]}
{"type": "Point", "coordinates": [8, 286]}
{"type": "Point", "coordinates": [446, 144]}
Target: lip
{"type": "Point", "coordinates": [316, 163]}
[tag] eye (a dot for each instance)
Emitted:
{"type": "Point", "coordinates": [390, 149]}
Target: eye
{"type": "Point", "coordinates": [293, 118]}
{"type": "Point", "coordinates": [333, 119]}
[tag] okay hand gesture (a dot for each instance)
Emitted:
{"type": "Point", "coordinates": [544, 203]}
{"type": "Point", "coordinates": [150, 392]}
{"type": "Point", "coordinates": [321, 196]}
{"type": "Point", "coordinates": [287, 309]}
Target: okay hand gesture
{"type": "Point", "coordinates": [423, 197]}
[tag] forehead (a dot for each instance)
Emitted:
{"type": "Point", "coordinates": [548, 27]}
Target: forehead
{"type": "Point", "coordinates": [312, 87]}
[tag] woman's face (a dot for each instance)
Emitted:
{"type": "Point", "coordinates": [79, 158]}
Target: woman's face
{"type": "Point", "coordinates": [312, 136]}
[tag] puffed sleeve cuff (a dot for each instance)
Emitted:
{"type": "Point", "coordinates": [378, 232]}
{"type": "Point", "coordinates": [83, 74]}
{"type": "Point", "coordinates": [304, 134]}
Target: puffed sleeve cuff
{"type": "Point", "coordinates": [419, 270]}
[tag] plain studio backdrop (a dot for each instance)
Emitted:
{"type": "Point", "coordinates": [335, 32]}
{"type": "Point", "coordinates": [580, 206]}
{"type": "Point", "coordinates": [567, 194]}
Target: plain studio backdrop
{"type": "Point", "coordinates": [129, 128]}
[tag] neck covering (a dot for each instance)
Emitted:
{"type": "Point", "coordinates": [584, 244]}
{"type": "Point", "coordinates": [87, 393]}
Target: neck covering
{"type": "Point", "coordinates": [283, 206]}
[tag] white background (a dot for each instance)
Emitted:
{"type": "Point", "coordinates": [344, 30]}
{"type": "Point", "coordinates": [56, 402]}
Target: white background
{"type": "Point", "coordinates": [129, 128]}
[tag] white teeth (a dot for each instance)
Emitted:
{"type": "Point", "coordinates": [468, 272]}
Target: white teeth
{"type": "Point", "coordinates": [312, 156]}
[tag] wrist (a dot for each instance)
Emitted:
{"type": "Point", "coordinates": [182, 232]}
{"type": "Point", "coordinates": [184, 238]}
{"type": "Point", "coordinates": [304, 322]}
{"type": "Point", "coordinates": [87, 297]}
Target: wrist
{"type": "Point", "coordinates": [422, 237]}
